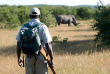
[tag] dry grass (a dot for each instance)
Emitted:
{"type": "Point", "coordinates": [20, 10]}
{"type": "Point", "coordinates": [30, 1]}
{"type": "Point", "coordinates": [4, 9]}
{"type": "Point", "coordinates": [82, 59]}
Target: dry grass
{"type": "Point", "coordinates": [77, 56]}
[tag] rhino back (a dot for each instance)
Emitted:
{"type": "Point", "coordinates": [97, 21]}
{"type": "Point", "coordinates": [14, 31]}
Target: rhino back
{"type": "Point", "coordinates": [65, 17]}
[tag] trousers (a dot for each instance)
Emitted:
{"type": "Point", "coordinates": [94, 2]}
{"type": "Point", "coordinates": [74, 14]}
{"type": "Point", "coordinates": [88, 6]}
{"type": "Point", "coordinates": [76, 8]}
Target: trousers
{"type": "Point", "coordinates": [35, 66]}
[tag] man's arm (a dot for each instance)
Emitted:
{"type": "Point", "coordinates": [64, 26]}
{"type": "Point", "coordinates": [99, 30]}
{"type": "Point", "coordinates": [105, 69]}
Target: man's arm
{"type": "Point", "coordinates": [49, 51]}
{"type": "Point", "coordinates": [20, 61]}
{"type": "Point", "coordinates": [18, 51]}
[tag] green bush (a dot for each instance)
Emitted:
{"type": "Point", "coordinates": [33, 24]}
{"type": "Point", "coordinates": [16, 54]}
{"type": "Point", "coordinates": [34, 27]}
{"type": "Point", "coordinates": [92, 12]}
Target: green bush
{"type": "Point", "coordinates": [59, 11]}
{"type": "Point", "coordinates": [8, 16]}
{"type": "Point", "coordinates": [23, 15]}
{"type": "Point", "coordinates": [14, 16]}
{"type": "Point", "coordinates": [85, 12]}
{"type": "Point", "coordinates": [47, 17]}
{"type": "Point", "coordinates": [102, 25]}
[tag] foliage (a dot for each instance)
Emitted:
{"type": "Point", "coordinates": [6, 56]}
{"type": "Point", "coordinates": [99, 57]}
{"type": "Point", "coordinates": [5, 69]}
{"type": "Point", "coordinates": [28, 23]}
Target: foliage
{"type": "Point", "coordinates": [59, 11]}
{"type": "Point", "coordinates": [9, 17]}
{"type": "Point", "coordinates": [23, 14]}
{"type": "Point", "coordinates": [102, 25]}
{"type": "Point", "coordinates": [47, 17]}
{"type": "Point", "coordinates": [85, 12]}
{"type": "Point", "coordinates": [13, 16]}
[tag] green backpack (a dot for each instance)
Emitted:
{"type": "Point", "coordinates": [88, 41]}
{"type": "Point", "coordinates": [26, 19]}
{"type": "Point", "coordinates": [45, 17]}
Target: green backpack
{"type": "Point", "coordinates": [29, 39]}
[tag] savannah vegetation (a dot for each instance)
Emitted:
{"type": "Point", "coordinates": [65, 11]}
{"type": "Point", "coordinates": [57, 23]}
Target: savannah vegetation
{"type": "Point", "coordinates": [14, 16]}
{"type": "Point", "coordinates": [77, 50]}
{"type": "Point", "coordinates": [78, 55]}
{"type": "Point", "coordinates": [102, 25]}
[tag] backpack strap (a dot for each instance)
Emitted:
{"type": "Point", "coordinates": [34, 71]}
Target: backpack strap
{"type": "Point", "coordinates": [26, 25]}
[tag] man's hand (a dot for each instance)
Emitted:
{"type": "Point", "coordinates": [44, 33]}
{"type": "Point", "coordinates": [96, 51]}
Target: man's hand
{"type": "Point", "coordinates": [20, 62]}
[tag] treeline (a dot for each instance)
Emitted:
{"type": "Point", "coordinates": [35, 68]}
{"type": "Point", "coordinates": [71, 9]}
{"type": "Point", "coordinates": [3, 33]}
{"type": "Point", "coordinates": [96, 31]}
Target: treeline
{"type": "Point", "coordinates": [13, 16]}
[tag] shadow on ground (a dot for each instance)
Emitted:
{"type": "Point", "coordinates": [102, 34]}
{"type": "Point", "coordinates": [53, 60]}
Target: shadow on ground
{"type": "Point", "coordinates": [78, 30]}
{"type": "Point", "coordinates": [72, 47]}
{"type": "Point", "coordinates": [7, 51]}
{"type": "Point", "coordinates": [76, 47]}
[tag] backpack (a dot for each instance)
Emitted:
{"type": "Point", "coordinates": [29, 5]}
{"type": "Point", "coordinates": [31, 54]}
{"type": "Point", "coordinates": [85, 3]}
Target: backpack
{"type": "Point", "coordinates": [29, 39]}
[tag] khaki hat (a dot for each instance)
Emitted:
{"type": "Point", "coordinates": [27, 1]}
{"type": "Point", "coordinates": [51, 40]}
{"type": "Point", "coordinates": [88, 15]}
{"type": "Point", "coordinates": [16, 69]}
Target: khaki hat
{"type": "Point", "coordinates": [35, 11]}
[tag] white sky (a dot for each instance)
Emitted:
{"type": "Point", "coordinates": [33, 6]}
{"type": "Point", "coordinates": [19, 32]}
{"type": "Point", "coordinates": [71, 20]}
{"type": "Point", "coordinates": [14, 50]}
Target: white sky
{"type": "Point", "coordinates": [53, 2]}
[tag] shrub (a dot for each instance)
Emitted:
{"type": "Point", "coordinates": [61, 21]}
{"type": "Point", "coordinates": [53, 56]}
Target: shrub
{"type": "Point", "coordinates": [102, 25]}
{"type": "Point", "coordinates": [58, 39]}
{"type": "Point", "coordinates": [85, 12]}
{"type": "Point", "coordinates": [47, 17]}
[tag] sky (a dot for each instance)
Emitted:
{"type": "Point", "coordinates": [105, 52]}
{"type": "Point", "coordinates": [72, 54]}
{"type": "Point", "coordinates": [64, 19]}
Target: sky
{"type": "Point", "coordinates": [53, 2]}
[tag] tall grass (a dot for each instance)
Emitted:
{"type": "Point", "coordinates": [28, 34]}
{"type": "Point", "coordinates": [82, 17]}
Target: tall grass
{"type": "Point", "coordinates": [78, 56]}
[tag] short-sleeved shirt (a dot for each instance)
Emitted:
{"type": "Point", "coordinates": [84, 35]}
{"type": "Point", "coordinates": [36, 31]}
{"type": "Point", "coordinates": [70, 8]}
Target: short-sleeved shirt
{"type": "Point", "coordinates": [43, 32]}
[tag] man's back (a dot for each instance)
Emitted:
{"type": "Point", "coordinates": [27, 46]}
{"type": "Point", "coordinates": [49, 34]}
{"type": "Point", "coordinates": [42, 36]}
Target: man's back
{"type": "Point", "coordinates": [36, 64]}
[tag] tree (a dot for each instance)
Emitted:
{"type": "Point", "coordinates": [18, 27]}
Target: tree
{"type": "Point", "coordinates": [23, 14]}
{"type": "Point", "coordinates": [47, 17]}
{"type": "Point", "coordinates": [59, 11]}
{"type": "Point", "coordinates": [74, 11]}
{"type": "Point", "coordinates": [102, 25]}
{"type": "Point", "coordinates": [85, 12]}
{"type": "Point", "coordinates": [9, 17]}
{"type": "Point", "coordinates": [12, 16]}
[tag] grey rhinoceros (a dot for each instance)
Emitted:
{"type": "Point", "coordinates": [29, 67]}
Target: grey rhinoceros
{"type": "Point", "coordinates": [66, 19]}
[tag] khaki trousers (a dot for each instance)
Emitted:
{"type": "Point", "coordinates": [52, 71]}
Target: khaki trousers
{"type": "Point", "coordinates": [33, 66]}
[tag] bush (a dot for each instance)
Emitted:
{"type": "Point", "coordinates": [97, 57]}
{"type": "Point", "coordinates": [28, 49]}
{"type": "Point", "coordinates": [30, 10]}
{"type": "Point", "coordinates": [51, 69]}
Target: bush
{"type": "Point", "coordinates": [85, 13]}
{"type": "Point", "coordinates": [102, 25]}
{"type": "Point", "coordinates": [59, 11]}
{"type": "Point", "coordinates": [9, 17]}
{"type": "Point", "coordinates": [47, 17]}
{"type": "Point", "coordinates": [58, 39]}
{"type": "Point", "coordinates": [13, 16]}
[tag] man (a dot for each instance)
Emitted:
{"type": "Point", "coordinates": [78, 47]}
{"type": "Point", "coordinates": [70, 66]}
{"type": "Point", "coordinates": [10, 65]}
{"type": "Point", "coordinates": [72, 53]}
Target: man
{"type": "Point", "coordinates": [39, 66]}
